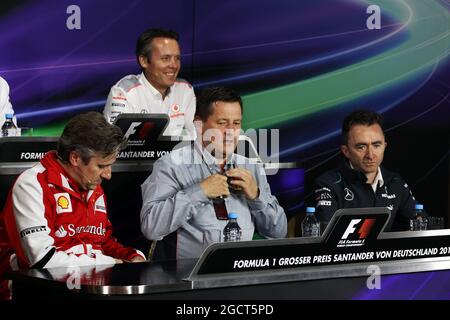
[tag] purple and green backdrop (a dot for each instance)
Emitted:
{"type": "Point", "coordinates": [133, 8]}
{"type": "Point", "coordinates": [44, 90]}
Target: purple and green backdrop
{"type": "Point", "coordinates": [301, 66]}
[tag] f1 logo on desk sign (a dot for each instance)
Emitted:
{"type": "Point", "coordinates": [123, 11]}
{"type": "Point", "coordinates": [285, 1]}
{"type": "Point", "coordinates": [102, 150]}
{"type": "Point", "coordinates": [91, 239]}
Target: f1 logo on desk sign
{"type": "Point", "coordinates": [354, 228]}
{"type": "Point", "coordinates": [142, 128]}
{"type": "Point", "coordinates": [144, 134]}
{"type": "Point", "coordinates": [353, 239]}
{"type": "Point", "coordinates": [132, 129]}
{"type": "Point", "coordinates": [361, 232]}
{"type": "Point", "coordinates": [139, 138]}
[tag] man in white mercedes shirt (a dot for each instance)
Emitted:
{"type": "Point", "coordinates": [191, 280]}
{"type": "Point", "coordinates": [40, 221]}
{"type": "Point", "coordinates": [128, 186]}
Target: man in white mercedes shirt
{"type": "Point", "coordinates": [157, 89]}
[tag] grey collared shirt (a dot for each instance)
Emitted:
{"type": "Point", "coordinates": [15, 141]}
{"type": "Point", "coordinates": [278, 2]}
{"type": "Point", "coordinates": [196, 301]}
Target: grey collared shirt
{"type": "Point", "coordinates": [174, 201]}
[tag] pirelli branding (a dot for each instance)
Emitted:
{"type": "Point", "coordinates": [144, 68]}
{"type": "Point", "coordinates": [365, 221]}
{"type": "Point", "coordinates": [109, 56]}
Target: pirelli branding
{"type": "Point", "coordinates": [32, 230]}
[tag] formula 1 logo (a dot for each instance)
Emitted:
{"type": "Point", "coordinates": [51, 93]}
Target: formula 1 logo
{"type": "Point", "coordinates": [132, 129]}
{"type": "Point", "coordinates": [356, 234]}
{"type": "Point", "coordinates": [141, 135]}
{"type": "Point", "coordinates": [145, 130]}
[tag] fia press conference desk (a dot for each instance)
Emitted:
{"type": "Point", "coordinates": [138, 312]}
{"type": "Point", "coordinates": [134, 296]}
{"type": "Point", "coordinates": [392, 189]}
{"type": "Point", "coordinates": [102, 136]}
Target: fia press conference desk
{"type": "Point", "coordinates": [412, 265]}
{"type": "Point", "coordinates": [215, 276]}
{"type": "Point", "coordinates": [147, 281]}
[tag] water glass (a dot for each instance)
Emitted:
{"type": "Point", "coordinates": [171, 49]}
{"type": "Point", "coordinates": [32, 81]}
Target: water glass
{"type": "Point", "coordinates": [418, 224]}
{"type": "Point", "coordinates": [435, 223]}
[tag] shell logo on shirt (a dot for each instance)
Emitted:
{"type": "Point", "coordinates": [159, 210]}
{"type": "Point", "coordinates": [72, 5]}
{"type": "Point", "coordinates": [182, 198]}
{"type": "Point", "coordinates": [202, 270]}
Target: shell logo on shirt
{"type": "Point", "coordinates": [63, 203]}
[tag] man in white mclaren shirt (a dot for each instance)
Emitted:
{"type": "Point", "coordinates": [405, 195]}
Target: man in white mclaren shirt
{"type": "Point", "coordinates": [157, 89]}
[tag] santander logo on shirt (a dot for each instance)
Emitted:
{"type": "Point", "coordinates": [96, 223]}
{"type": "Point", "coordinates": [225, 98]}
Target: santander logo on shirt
{"type": "Point", "coordinates": [72, 230]}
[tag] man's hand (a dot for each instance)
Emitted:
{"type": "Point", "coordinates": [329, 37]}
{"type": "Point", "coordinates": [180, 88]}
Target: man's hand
{"type": "Point", "coordinates": [215, 186]}
{"type": "Point", "coordinates": [243, 178]}
{"type": "Point", "coordinates": [138, 259]}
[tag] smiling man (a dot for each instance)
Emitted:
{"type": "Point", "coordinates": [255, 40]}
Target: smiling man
{"type": "Point", "coordinates": [361, 181]}
{"type": "Point", "coordinates": [190, 191]}
{"type": "Point", "coordinates": [55, 214]}
{"type": "Point", "coordinates": [157, 89]}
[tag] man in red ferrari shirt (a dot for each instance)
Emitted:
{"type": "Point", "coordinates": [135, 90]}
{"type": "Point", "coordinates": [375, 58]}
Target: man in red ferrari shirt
{"type": "Point", "coordinates": [55, 214]}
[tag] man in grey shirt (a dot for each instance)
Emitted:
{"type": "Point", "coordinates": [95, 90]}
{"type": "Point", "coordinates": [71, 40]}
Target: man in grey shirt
{"type": "Point", "coordinates": [186, 197]}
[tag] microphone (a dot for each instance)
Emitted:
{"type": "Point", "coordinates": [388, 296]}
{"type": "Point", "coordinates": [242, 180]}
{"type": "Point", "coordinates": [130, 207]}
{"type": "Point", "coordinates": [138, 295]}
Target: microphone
{"type": "Point", "coordinates": [90, 185]}
{"type": "Point", "coordinates": [88, 180]}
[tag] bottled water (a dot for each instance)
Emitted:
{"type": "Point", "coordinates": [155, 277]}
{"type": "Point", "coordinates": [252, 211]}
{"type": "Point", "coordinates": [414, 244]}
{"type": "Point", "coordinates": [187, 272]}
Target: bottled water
{"type": "Point", "coordinates": [310, 224]}
{"type": "Point", "coordinates": [9, 129]}
{"type": "Point", "coordinates": [420, 220]}
{"type": "Point", "coordinates": [232, 231]}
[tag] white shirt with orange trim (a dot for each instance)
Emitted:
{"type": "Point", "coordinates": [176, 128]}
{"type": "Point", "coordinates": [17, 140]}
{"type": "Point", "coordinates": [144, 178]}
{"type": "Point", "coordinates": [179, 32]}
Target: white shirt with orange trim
{"type": "Point", "coordinates": [134, 94]}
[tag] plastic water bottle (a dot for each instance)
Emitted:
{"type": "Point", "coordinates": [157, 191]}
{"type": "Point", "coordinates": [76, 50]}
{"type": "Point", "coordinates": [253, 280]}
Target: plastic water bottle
{"type": "Point", "coordinates": [420, 220]}
{"type": "Point", "coordinates": [232, 231]}
{"type": "Point", "coordinates": [310, 224]}
{"type": "Point", "coordinates": [9, 129]}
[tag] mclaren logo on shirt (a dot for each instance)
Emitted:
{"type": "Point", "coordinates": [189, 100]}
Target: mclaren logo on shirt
{"type": "Point", "coordinates": [63, 203]}
{"type": "Point", "coordinates": [72, 230]}
{"type": "Point", "coordinates": [119, 97]}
